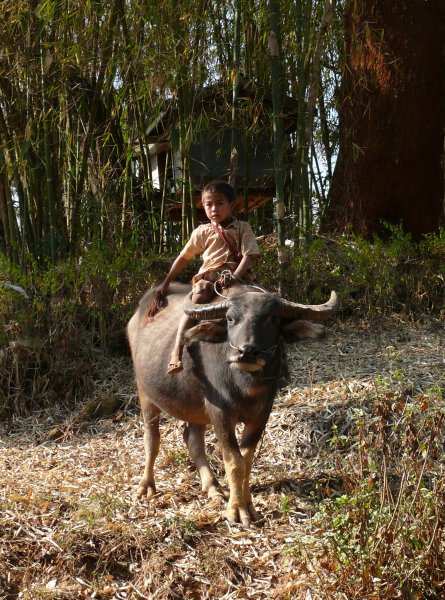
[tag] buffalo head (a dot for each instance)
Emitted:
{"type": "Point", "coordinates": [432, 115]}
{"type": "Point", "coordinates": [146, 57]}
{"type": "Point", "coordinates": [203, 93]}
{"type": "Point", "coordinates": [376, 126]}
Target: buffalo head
{"type": "Point", "coordinates": [254, 323]}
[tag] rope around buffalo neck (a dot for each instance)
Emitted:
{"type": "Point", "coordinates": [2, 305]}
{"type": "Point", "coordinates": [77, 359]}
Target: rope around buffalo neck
{"type": "Point", "coordinates": [227, 273]}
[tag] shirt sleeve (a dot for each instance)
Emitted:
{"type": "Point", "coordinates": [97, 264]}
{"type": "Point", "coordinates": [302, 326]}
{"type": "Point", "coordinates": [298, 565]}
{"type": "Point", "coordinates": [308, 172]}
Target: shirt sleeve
{"type": "Point", "coordinates": [194, 246]}
{"type": "Point", "coordinates": [248, 243]}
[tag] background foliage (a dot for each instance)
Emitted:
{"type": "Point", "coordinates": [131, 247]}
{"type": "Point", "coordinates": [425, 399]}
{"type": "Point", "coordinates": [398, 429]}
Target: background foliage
{"type": "Point", "coordinates": [78, 310]}
{"type": "Point", "coordinates": [80, 84]}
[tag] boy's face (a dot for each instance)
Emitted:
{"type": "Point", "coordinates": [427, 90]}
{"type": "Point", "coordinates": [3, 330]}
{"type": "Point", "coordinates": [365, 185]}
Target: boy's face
{"type": "Point", "coordinates": [217, 206]}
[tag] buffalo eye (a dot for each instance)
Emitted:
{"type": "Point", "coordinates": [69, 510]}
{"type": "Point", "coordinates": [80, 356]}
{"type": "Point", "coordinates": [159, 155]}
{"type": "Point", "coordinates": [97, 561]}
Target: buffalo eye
{"type": "Point", "coordinates": [229, 320]}
{"type": "Point", "coordinates": [273, 319]}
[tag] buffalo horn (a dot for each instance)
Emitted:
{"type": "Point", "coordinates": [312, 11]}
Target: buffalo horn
{"type": "Point", "coordinates": [208, 311]}
{"type": "Point", "coordinates": [317, 312]}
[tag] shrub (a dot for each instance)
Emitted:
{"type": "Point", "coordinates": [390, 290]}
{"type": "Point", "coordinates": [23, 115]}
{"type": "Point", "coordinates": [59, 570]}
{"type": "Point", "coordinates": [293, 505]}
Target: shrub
{"type": "Point", "coordinates": [75, 311]}
{"type": "Point", "coordinates": [375, 278]}
{"type": "Point", "coordinates": [384, 537]}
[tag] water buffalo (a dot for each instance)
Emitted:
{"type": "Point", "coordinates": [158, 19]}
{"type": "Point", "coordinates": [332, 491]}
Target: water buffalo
{"type": "Point", "coordinates": [232, 365]}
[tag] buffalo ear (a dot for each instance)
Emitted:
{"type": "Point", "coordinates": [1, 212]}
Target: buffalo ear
{"type": "Point", "coordinates": [298, 330]}
{"type": "Point", "coordinates": [208, 331]}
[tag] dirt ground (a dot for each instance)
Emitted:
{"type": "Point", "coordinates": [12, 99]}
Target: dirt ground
{"type": "Point", "coordinates": [71, 526]}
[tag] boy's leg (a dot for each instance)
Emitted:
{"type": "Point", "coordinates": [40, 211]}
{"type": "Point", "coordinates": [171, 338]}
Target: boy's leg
{"type": "Point", "coordinates": [175, 364]}
{"type": "Point", "coordinates": [202, 292]}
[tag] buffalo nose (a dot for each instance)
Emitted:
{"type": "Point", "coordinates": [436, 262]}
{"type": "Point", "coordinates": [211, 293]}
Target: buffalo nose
{"type": "Point", "coordinates": [247, 349]}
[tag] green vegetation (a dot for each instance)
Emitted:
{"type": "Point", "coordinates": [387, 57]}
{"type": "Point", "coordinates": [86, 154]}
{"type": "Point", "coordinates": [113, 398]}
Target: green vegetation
{"type": "Point", "coordinates": [100, 106]}
{"type": "Point", "coordinates": [375, 278]}
{"type": "Point", "coordinates": [74, 311]}
{"type": "Point", "coordinates": [384, 535]}
{"type": "Point", "coordinates": [77, 310]}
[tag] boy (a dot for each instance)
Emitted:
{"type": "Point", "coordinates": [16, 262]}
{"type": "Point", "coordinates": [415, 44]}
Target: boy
{"type": "Point", "coordinates": [225, 244]}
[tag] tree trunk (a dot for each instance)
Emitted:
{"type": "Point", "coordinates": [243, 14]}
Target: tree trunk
{"type": "Point", "coordinates": [391, 119]}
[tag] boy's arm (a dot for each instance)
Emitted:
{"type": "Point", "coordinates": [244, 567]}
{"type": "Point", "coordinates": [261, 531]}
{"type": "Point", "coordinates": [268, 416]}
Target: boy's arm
{"type": "Point", "coordinates": [249, 249]}
{"type": "Point", "coordinates": [245, 264]}
{"type": "Point", "coordinates": [177, 267]}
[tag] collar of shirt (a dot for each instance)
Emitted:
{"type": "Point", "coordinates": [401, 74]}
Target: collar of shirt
{"type": "Point", "coordinates": [234, 223]}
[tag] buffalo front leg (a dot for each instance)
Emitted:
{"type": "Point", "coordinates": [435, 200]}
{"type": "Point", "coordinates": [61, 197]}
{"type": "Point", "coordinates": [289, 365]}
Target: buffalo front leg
{"type": "Point", "coordinates": [238, 463]}
{"type": "Point", "coordinates": [251, 436]}
{"type": "Point", "coordinates": [150, 415]}
{"type": "Point", "coordinates": [237, 470]}
{"type": "Point", "coordinates": [194, 439]}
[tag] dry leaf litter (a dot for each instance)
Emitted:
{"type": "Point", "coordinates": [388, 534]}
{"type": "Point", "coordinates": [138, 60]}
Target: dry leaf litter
{"type": "Point", "coordinates": [71, 526]}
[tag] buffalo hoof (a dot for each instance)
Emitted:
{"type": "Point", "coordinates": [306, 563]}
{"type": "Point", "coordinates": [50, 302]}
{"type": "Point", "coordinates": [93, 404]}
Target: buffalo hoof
{"type": "Point", "coordinates": [216, 497]}
{"type": "Point", "coordinates": [216, 502]}
{"type": "Point", "coordinates": [146, 490]}
{"type": "Point", "coordinates": [246, 516]}
{"type": "Point", "coordinates": [216, 493]}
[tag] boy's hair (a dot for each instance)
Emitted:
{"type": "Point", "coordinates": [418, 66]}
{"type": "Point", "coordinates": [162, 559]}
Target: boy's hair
{"type": "Point", "coordinates": [217, 186]}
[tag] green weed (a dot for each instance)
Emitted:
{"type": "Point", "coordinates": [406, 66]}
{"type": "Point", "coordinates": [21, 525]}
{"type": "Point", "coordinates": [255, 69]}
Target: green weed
{"type": "Point", "coordinates": [383, 538]}
{"type": "Point", "coordinates": [375, 278]}
{"type": "Point", "coordinates": [285, 505]}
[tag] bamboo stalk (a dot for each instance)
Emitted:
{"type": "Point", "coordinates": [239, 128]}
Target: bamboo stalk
{"type": "Point", "coordinates": [163, 204]}
{"type": "Point", "coordinates": [233, 166]}
{"type": "Point", "coordinates": [50, 196]}
{"type": "Point", "coordinates": [125, 196]}
{"type": "Point", "coordinates": [98, 89]}
{"type": "Point", "coordinates": [313, 90]}
{"type": "Point", "coordinates": [276, 80]}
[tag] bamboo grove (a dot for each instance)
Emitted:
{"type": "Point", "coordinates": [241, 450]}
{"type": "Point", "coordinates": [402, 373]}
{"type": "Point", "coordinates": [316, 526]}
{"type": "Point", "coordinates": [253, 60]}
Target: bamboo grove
{"type": "Point", "coordinates": [82, 82]}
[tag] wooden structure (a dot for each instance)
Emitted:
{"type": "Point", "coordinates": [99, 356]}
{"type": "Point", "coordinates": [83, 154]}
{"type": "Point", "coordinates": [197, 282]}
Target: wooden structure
{"type": "Point", "coordinates": [209, 151]}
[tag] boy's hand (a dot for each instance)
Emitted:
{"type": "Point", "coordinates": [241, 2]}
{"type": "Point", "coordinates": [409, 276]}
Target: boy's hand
{"type": "Point", "coordinates": [177, 267]}
{"type": "Point", "coordinates": [162, 289]}
{"type": "Point", "coordinates": [227, 280]}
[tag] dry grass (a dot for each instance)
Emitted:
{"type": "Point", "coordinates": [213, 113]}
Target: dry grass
{"type": "Point", "coordinates": [71, 526]}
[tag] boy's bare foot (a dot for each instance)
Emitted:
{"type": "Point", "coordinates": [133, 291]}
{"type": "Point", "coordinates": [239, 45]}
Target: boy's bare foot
{"type": "Point", "coordinates": [175, 367]}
